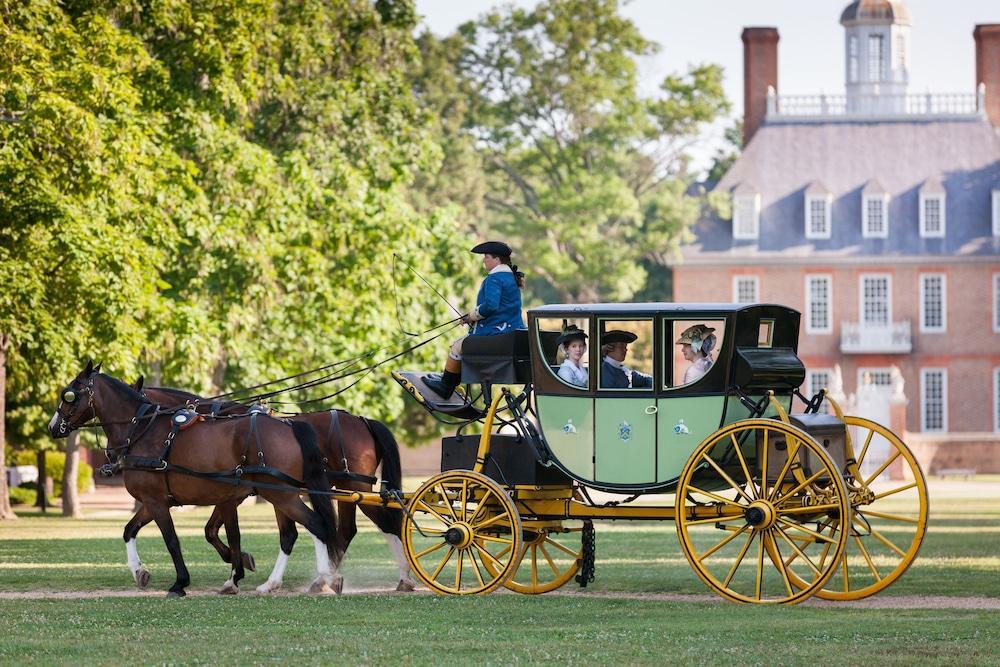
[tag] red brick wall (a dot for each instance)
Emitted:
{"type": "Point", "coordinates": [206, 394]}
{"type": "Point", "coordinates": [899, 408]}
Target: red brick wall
{"type": "Point", "coordinates": [987, 38]}
{"type": "Point", "coordinates": [760, 70]}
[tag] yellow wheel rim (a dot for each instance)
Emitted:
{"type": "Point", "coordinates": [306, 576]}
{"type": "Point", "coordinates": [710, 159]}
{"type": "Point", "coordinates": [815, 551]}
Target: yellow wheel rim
{"type": "Point", "coordinates": [890, 506]}
{"type": "Point", "coordinates": [462, 534]}
{"type": "Point", "coordinates": [550, 559]}
{"type": "Point", "coordinates": [757, 514]}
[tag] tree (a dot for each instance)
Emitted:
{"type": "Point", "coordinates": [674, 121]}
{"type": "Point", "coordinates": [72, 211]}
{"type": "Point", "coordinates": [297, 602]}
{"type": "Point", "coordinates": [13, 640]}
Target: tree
{"type": "Point", "coordinates": [587, 177]}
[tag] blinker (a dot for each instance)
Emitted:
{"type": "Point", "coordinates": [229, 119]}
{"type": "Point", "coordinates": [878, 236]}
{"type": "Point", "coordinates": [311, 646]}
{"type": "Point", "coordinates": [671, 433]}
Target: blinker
{"type": "Point", "coordinates": [69, 396]}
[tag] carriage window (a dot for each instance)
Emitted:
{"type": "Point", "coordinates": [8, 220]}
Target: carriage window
{"type": "Point", "coordinates": [695, 346]}
{"type": "Point", "coordinates": [626, 354]}
{"type": "Point", "coordinates": [765, 333]}
{"type": "Point", "coordinates": [564, 344]}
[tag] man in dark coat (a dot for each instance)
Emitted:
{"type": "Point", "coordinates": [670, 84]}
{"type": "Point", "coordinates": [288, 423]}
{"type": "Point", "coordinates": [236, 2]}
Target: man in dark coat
{"type": "Point", "coordinates": [614, 373]}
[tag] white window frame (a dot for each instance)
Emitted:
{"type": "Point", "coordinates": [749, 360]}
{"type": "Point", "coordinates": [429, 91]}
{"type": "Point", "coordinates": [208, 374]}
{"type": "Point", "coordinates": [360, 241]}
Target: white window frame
{"type": "Point", "coordinates": [736, 288]}
{"type": "Point", "coordinates": [884, 234]}
{"type": "Point", "coordinates": [924, 372]}
{"type": "Point", "coordinates": [996, 400]}
{"type": "Point", "coordinates": [874, 369]}
{"type": "Point", "coordinates": [754, 232]}
{"type": "Point", "coordinates": [829, 303]}
{"type": "Point", "coordinates": [853, 68]}
{"type": "Point", "coordinates": [996, 212]}
{"type": "Point", "coordinates": [924, 232]}
{"type": "Point", "coordinates": [875, 62]}
{"type": "Point", "coordinates": [996, 303]}
{"type": "Point", "coordinates": [923, 303]}
{"type": "Point", "coordinates": [827, 201]}
{"type": "Point", "coordinates": [861, 296]}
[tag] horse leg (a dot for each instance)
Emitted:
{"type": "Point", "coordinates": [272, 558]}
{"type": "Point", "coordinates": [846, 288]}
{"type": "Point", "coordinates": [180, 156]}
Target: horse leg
{"type": "Point", "coordinates": [132, 528]}
{"type": "Point", "coordinates": [232, 522]}
{"type": "Point", "coordinates": [287, 535]}
{"type": "Point", "coordinates": [212, 535]}
{"type": "Point", "coordinates": [295, 509]}
{"type": "Point", "coordinates": [161, 515]}
{"type": "Point", "coordinates": [391, 531]}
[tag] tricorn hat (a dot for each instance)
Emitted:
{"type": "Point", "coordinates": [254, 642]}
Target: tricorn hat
{"type": "Point", "coordinates": [617, 336]}
{"type": "Point", "coordinates": [569, 333]}
{"type": "Point", "coordinates": [498, 248]}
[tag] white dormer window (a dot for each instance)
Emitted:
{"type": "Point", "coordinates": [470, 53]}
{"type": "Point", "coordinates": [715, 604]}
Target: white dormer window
{"type": "Point", "coordinates": [818, 216]}
{"type": "Point", "coordinates": [852, 59]}
{"type": "Point", "coordinates": [932, 215]}
{"type": "Point", "coordinates": [876, 65]}
{"type": "Point", "coordinates": [996, 213]}
{"type": "Point", "coordinates": [875, 216]}
{"type": "Point", "coordinates": [746, 216]}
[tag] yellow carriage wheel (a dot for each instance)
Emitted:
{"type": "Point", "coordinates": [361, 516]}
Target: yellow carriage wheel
{"type": "Point", "coordinates": [462, 534]}
{"type": "Point", "coordinates": [549, 561]}
{"type": "Point", "coordinates": [890, 505]}
{"type": "Point", "coordinates": [729, 514]}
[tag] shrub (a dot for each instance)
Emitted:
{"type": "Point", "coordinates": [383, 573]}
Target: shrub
{"type": "Point", "coordinates": [55, 463]}
{"type": "Point", "coordinates": [22, 495]}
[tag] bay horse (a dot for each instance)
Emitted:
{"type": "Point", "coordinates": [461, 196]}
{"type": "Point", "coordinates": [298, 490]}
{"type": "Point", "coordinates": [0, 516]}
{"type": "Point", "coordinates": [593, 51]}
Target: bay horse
{"type": "Point", "coordinates": [347, 442]}
{"type": "Point", "coordinates": [154, 456]}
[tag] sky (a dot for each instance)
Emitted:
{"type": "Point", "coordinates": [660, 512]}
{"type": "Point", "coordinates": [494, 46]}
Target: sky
{"type": "Point", "coordinates": [810, 51]}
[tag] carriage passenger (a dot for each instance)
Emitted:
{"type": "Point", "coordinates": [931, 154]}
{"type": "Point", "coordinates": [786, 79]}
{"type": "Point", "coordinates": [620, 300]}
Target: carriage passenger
{"type": "Point", "coordinates": [697, 343]}
{"type": "Point", "coordinates": [497, 311]}
{"type": "Point", "coordinates": [614, 373]}
{"type": "Point", "coordinates": [573, 343]}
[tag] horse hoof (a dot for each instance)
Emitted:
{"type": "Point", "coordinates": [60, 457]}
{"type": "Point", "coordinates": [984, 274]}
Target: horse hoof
{"type": "Point", "coordinates": [176, 594]}
{"type": "Point", "coordinates": [338, 584]}
{"type": "Point", "coordinates": [405, 586]}
{"type": "Point", "coordinates": [142, 578]}
{"type": "Point", "coordinates": [229, 589]}
{"type": "Point", "coordinates": [248, 562]}
{"type": "Point", "coordinates": [323, 588]}
{"type": "Point", "coordinates": [268, 587]}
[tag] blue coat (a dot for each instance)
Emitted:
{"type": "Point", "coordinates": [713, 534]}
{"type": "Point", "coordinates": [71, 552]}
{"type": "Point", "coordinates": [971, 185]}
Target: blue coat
{"type": "Point", "coordinates": [499, 304]}
{"type": "Point", "coordinates": [615, 378]}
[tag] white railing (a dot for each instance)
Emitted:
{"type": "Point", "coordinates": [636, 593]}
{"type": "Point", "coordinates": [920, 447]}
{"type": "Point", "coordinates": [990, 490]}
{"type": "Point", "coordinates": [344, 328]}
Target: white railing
{"type": "Point", "coordinates": [861, 338]}
{"type": "Point", "coordinates": [817, 107]}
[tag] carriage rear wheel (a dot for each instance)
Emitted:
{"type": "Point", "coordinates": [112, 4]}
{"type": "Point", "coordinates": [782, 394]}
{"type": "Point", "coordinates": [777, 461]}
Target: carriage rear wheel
{"type": "Point", "coordinates": [462, 534]}
{"type": "Point", "coordinates": [753, 487]}
{"type": "Point", "coordinates": [550, 560]}
{"type": "Point", "coordinates": [889, 498]}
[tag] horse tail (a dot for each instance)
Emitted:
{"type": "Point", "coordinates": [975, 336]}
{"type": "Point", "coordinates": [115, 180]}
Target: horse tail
{"type": "Point", "coordinates": [314, 477]}
{"type": "Point", "coordinates": [388, 520]}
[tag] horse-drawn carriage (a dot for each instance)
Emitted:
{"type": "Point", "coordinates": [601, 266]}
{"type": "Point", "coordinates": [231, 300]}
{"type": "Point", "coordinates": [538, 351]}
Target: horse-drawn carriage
{"type": "Point", "coordinates": [770, 506]}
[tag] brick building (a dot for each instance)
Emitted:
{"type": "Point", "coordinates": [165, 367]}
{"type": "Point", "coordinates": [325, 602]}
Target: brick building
{"type": "Point", "coordinates": [877, 214]}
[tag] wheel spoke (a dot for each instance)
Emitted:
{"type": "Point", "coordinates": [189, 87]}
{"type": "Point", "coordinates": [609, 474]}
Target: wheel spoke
{"type": "Point", "coordinates": [726, 540]}
{"type": "Point", "coordinates": [534, 566]}
{"type": "Point", "coordinates": [464, 502]}
{"type": "Point", "coordinates": [763, 466]}
{"type": "Point", "coordinates": [899, 490]}
{"type": "Point", "coordinates": [489, 522]}
{"type": "Point", "coordinates": [475, 568]}
{"type": "Point", "coordinates": [716, 497]}
{"type": "Point", "coordinates": [810, 509]}
{"type": "Point", "coordinates": [743, 464]}
{"type": "Point", "coordinates": [864, 450]}
{"type": "Point", "coordinates": [494, 538]}
{"type": "Point", "coordinates": [847, 577]}
{"type": "Point", "coordinates": [729, 480]}
{"type": "Point", "coordinates": [797, 526]}
{"type": "Point", "coordinates": [443, 562]}
{"type": "Point", "coordinates": [802, 485]}
{"type": "Point", "coordinates": [760, 568]}
{"type": "Point", "coordinates": [481, 507]}
{"type": "Point", "coordinates": [562, 547]}
{"type": "Point", "coordinates": [430, 549]}
{"type": "Point", "coordinates": [431, 510]}
{"type": "Point", "coordinates": [784, 469]}
{"type": "Point", "coordinates": [458, 570]}
{"type": "Point", "coordinates": [739, 560]}
{"type": "Point", "coordinates": [884, 540]}
{"type": "Point", "coordinates": [891, 517]}
{"type": "Point", "coordinates": [716, 519]}
{"type": "Point", "coordinates": [486, 554]}
{"type": "Point", "coordinates": [548, 558]}
{"type": "Point", "coordinates": [799, 552]}
{"type": "Point", "coordinates": [882, 467]}
{"type": "Point", "coordinates": [868, 558]}
{"type": "Point", "coordinates": [782, 568]}
{"type": "Point", "coordinates": [826, 547]}
{"type": "Point", "coordinates": [440, 488]}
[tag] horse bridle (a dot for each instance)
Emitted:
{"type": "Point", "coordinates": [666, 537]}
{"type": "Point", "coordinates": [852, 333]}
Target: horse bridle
{"type": "Point", "coordinates": [71, 397]}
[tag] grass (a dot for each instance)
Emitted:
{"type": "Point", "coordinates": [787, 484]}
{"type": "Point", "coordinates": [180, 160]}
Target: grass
{"type": "Point", "coordinates": [959, 558]}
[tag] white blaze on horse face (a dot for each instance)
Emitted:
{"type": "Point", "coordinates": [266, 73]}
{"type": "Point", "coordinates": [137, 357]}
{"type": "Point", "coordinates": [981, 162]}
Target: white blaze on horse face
{"type": "Point", "coordinates": [273, 582]}
{"type": "Point", "coordinates": [133, 556]}
{"type": "Point", "coordinates": [54, 420]}
{"type": "Point", "coordinates": [396, 547]}
{"type": "Point", "coordinates": [323, 566]}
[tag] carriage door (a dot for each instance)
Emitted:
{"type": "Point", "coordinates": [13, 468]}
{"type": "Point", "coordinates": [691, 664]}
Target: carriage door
{"type": "Point", "coordinates": [625, 409]}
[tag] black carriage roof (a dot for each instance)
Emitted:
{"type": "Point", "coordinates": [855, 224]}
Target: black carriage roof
{"type": "Point", "coordinates": [647, 308]}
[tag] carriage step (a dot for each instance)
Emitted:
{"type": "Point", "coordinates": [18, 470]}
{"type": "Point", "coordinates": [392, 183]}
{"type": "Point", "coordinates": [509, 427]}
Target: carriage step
{"type": "Point", "coordinates": [457, 405]}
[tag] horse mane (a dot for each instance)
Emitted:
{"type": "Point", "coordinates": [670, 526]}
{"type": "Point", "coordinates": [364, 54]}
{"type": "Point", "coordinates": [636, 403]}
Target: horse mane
{"type": "Point", "coordinates": [124, 388]}
{"type": "Point", "coordinates": [180, 393]}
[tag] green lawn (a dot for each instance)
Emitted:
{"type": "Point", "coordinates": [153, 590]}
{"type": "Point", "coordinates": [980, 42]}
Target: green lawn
{"type": "Point", "coordinates": [960, 558]}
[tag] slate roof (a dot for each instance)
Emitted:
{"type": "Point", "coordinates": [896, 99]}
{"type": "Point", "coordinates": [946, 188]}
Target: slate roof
{"type": "Point", "coordinates": [783, 159]}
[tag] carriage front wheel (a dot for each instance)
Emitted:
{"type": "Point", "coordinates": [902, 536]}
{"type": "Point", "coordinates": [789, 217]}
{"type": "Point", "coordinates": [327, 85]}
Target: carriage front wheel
{"type": "Point", "coordinates": [462, 534]}
{"type": "Point", "coordinates": [550, 560]}
{"type": "Point", "coordinates": [757, 487]}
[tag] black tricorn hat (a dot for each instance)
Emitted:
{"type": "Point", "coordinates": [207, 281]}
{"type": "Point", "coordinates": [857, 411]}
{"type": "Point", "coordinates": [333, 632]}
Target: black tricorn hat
{"type": "Point", "coordinates": [571, 332]}
{"type": "Point", "coordinates": [498, 248]}
{"type": "Point", "coordinates": [617, 336]}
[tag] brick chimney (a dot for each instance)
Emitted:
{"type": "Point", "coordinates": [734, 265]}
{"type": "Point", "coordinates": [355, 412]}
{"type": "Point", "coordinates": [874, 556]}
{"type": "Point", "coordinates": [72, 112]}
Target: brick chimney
{"type": "Point", "coordinates": [987, 37]}
{"type": "Point", "coordinates": [760, 71]}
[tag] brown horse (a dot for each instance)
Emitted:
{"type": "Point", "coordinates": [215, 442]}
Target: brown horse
{"type": "Point", "coordinates": [348, 443]}
{"type": "Point", "coordinates": [154, 456]}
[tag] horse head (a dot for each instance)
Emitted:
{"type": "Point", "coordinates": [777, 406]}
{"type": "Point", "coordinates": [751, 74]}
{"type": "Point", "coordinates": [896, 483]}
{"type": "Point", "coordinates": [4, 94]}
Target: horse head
{"type": "Point", "coordinates": [76, 403]}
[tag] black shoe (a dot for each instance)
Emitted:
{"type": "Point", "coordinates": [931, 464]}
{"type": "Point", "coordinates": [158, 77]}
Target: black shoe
{"type": "Point", "coordinates": [444, 384]}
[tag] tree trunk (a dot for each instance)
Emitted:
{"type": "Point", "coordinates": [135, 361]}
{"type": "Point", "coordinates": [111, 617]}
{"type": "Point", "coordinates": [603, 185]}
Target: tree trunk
{"type": "Point", "coordinates": [43, 483]}
{"type": "Point", "coordinates": [5, 511]}
{"type": "Point", "coordinates": [71, 496]}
